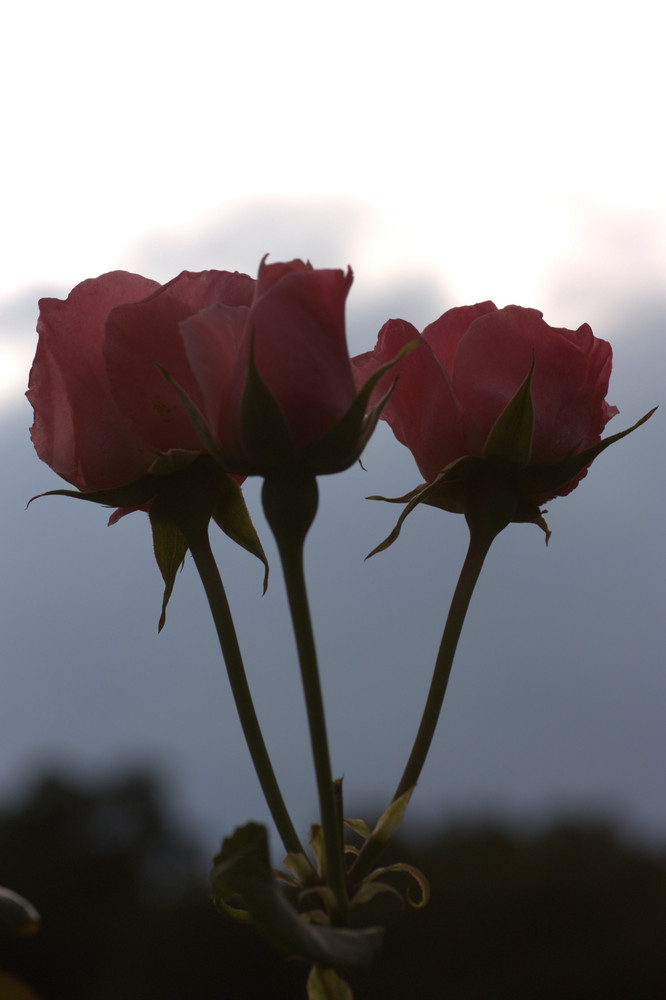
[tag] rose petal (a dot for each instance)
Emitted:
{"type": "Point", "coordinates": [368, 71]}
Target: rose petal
{"type": "Point", "coordinates": [568, 388]}
{"type": "Point", "coordinates": [445, 333]}
{"type": "Point", "coordinates": [422, 410]}
{"type": "Point", "coordinates": [300, 347]}
{"type": "Point", "coordinates": [144, 334]}
{"type": "Point", "coordinates": [213, 339]}
{"type": "Point", "coordinates": [78, 429]}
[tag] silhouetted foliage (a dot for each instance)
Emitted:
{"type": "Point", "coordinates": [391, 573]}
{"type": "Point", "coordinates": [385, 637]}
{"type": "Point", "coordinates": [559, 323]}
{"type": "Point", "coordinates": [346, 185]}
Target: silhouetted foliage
{"type": "Point", "coordinates": [571, 912]}
{"type": "Point", "coordinates": [124, 902]}
{"type": "Point", "coordinates": [567, 913]}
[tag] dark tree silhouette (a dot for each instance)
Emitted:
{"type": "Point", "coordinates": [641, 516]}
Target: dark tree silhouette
{"type": "Point", "coordinates": [568, 913]}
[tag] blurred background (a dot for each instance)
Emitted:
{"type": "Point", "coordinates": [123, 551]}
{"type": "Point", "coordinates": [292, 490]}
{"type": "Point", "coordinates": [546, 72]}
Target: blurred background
{"type": "Point", "coordinates": [511, 152]}
{"type": "Point", "coordinates": [572, 910]}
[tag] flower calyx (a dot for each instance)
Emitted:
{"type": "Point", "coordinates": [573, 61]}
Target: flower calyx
{"type": "Point", "coordinates": [268, 444]}
{"type": "Point", "coordinates": [182, 493]}
{"type": "Point", "coordinates": [501, 485]}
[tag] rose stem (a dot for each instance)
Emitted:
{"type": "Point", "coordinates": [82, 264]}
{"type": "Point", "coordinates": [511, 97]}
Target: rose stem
{"type": "Point", "coordinates": [469, 574]}
{"type": "Point", "coordinates": [489, 508]}
{"type": "Point", "coordinates": [217, 599]}
{"type": "Point", "coordinates": [290, 504]}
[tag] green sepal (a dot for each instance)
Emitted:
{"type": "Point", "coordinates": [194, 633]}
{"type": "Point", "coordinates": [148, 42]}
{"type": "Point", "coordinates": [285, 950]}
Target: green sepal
{"type": "Point", "coordinates": [318, 848]}
{"type": "Point", "coordinates": [416, 496]}
{"type": "Point", "coordinates": [197, 420]}
{"type": "Point", "coordinates": [506, 444]}
{"type": "Point", "coordinates": [549, 478]}
{"type": "Point", "coordinates": [182, 494]}
{"type": "Point", "coordinates": [242, 868]}
{"type": "Point", "coordinates": [450, 491]}
{"type": "Point", "coordinates": [374, 843]}
{"type": "Point", "coordinates": [172, 461]}
{"type": "Point", "coordinates": [359, 826]}
{"type": "Point", "coordinates": [344, 443]}
{"type": "Point", "coordinates": [266, 434]}
{"type": "Point", "coordinates": [365, 887]}
{"type": "Point", "coordinates": [326, 984]}
{"type": "Point", "coordinates": [326, 896]}
{"type": "Point", "coordinates": [510, 439]}
{"type": "Point", "coordinates": [390, 820]}
{"type": "Point", "coordinates": [264, 426]}
{"type": "Point", "coordinates": [183, 508]}
{"type": "Point", "coordinates": [371, 886]}
{"type": "Point", "coordinates": [170, 548]}
{"type": "Point", "coordinates": [268, 438]}
{"type": "Point", "coordinates": [136, 494]}
{"type": "Point", "coordinates": [18, 917]}
{"type": "Point", "coordinates": [235, 913]}
{"type": "Point", "coordinates": [232, 516]}
{"type": "Point", "coordinates": [301, 868]}
{"type": "Point", "coordinates": [541, 523]}
{"type": "Point", "coordinates": [384, 828]}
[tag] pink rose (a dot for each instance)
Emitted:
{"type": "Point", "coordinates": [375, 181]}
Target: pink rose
{"type": "Point", "coordinates": [467, 367]}
{"type": "Point", "coordinates": [275, 378]}
{"type": "Point", "coordinates": [103, 412]}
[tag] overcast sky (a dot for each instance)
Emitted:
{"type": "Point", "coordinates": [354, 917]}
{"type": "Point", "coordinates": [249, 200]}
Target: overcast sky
{"type": "Point", "coordinates": [498, 152]}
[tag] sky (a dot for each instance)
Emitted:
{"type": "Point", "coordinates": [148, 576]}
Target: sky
{"type": "Point", "coordinates": [511, 152]}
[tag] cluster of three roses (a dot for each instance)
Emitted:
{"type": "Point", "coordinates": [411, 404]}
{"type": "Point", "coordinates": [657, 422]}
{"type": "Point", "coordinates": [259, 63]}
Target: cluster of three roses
{"type": "Point", "coordinates": [123, 364]}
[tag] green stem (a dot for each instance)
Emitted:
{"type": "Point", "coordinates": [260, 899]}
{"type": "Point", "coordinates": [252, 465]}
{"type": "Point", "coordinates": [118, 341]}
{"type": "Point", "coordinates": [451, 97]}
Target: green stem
{"type": "Point", "coordinates": [469, 574]}
{"type": "Point", "coordinates": [490, 505]}
{"type": "Point", "coordinates": [290, 503]}
{"type": "Point", "coordinates": [217, 599]}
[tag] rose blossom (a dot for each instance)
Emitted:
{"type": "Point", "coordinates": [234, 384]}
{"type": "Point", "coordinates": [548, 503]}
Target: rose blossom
{"type": "Point", "coordinates": [103, 412]}
{"type": "Point", "coordinates": [292, 336]}
{"type": "Point", "coordinates": [466, 368]}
